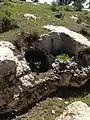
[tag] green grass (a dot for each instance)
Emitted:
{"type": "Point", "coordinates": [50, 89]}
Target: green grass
{"type": "Point", "coordinates": [44, 16]}
{"type": "Point", "coordinates": [44, 110]}
{"type": "Point", "coordinates": [85, 99]}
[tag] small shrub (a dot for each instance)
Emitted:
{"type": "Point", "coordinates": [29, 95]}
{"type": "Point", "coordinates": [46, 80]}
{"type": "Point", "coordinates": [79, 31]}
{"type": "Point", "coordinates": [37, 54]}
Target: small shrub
{"type": "Point", "coordinates": [85, 31]}
{"type": "Point", "coordinates": [54, 6]}
{"type": "Point", "coordinates": [79, 20]}
{"type": "Point", "coordinates": [78, 5]}
{"type": "Point", "coordinates": [62, 57]}
{"type": "Point", "coordinates": [6, 23]}
{"type": "Point", "coordinates": [25, 39]}
{"type": "Point", "coordinates": [67, 8]}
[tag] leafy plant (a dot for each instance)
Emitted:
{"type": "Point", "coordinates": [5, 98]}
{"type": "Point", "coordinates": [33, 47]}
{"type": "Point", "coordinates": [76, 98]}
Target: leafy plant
{"type": "Point", "coordinates": [62, 57]}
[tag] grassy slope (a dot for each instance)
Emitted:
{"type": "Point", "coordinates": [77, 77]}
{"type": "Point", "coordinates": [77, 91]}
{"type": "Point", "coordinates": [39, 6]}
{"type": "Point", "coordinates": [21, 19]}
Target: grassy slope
{"type": "Point", "coordinates": [46, 16]}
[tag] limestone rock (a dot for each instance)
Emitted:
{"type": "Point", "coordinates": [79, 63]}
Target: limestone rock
{"type": "Point", "coordinates": [14, 78]}
{"type": "Point", "coordinates": [65, 39]}
{"type": "Point", "coordinates": [28, 16]}
{"type": "Point", "coordinates": [7, 62]}
{"type": "Point", "coordinates": [76, 111]}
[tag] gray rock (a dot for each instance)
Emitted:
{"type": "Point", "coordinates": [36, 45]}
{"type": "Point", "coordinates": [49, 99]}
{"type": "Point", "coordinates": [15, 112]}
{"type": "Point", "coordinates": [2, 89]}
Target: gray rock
{"type": "Point", "coordinates": [76, 111]}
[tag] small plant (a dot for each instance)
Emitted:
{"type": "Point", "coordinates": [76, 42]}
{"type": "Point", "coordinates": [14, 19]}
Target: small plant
{"type": "Point", "coordinates": [25, 39]}
{"type": "Point", "coordinates": [62, 57]}
{"type": "Point", "coordinates": [85, 31]}
{"type": "Point", "coordinates": [79, 20]}
{"type": "Point", "coordinates": [6, 23]}
{"type": "Point", "coordinates": [67, 8]}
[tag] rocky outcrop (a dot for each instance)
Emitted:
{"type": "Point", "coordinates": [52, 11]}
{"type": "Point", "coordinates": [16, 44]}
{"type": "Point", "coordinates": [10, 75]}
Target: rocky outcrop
{"type": "Point", "coordinates": [64, 39]}
{"type": "Point", "coordinates": [20, 88]}
{"type": "Point", "coordinates": [14, 74]}
{"type": "Point", "coordinates": [76, 111]}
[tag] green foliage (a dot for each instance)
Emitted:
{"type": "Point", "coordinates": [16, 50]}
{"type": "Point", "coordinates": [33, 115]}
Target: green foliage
{"type": "Point", "coordinates": [7, 23]}
{"type": "Point", "coordinates": [63, 2]}
{"type": "Point", "coordinates": [43, 110]}
{"type": "Point", "coordinates": [78, 4]}
{"type": "Point", "coordinates": [67, 8]}
{"type": "Point", "coordinates": [85, 31]}
{"type": "Point", "coordinates": [44, 16]}
{"type": "Point", "coordinates": [62, 57]}
{"type": "Point", "coordinates": [54, 6]}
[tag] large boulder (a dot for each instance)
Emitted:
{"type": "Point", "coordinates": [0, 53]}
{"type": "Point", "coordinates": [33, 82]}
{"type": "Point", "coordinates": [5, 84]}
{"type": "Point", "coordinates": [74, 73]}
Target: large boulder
{"type": "Point", "coordinates": [20, 88]}
{"type": "Point", "coordinates": [76, 111]}
{"type": "Point", "coordinates": [14, 77]}
{"type": "Point", "coordinates": [64, 39]}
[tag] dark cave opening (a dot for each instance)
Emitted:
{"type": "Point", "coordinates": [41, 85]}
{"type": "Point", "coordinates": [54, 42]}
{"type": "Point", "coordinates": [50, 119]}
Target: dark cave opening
{"type": "Point", "coordinates": [38, 61]}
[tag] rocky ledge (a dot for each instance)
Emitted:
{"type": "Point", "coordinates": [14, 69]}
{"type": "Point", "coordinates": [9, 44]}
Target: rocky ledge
{"type": "Point", "coordinates": [20, 88]}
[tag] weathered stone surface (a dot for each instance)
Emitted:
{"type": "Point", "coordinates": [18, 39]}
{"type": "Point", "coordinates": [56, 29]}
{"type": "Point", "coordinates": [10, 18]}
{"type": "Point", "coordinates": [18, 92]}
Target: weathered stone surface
{"type": "Point", "coordinates": [76, 111]}
{"type": "Point", "coordinates": [71, 73]}
{"type": "Point", "coordinates": [65, 39]}
{"type": "Point", "coordinates": [7, 63]}
{"type": "Point", "coordinates": [21, 88]}
{"type": "Point", "coordinates": [14, 75]}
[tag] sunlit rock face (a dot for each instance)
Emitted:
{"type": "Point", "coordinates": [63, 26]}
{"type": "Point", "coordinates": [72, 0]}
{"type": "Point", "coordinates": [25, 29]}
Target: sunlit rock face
{"type": "Point", "coordinates": [76, 111]}
{"type": "Point", "coordinates": [65, 39]}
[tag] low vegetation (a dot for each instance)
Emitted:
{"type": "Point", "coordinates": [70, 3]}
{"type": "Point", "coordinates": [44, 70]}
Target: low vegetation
{"type": "Point", "coordinates": [62, 57]}
{"type": "Point", "coordinates": [44, 16]}
{"type": "Point", "coordinates": [51, 108]}
{"type": "Point", "coordinates": [6, 23]}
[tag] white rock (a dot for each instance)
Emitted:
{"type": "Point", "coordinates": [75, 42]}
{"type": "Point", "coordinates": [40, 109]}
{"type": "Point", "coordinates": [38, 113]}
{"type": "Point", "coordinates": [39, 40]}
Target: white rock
{"type": "Point", "coordinates": [28, 16]}
{"type": "Point", "coordinates": [53, 111]}
{"type": "Point", "coordinates": [35, 3]}
{"type": "Point", "coordinates": [74, 17]}
{"type": "Point", "coordinates": [66, 102]}
{"type": "Point", "coordinates": [76, 111]}
{"type": "Point", "coordinates": [71, 4]}
{"type": "Point", "coordinates": [78, 37]}
{"type": "Point", "coordinates": [27, 80]}
{"type": "Point", "coordinates": [22, 67]}
{"type": "Point", "coordinates": [7, 62]}
{"type": "Point", "coordinates": [7, 44]}
{"type": "Point", "coordinates": [60, 98]}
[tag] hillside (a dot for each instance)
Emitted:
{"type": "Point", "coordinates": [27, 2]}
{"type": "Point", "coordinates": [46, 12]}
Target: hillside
{"type": "Point", "coordinates": [44, 16]}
